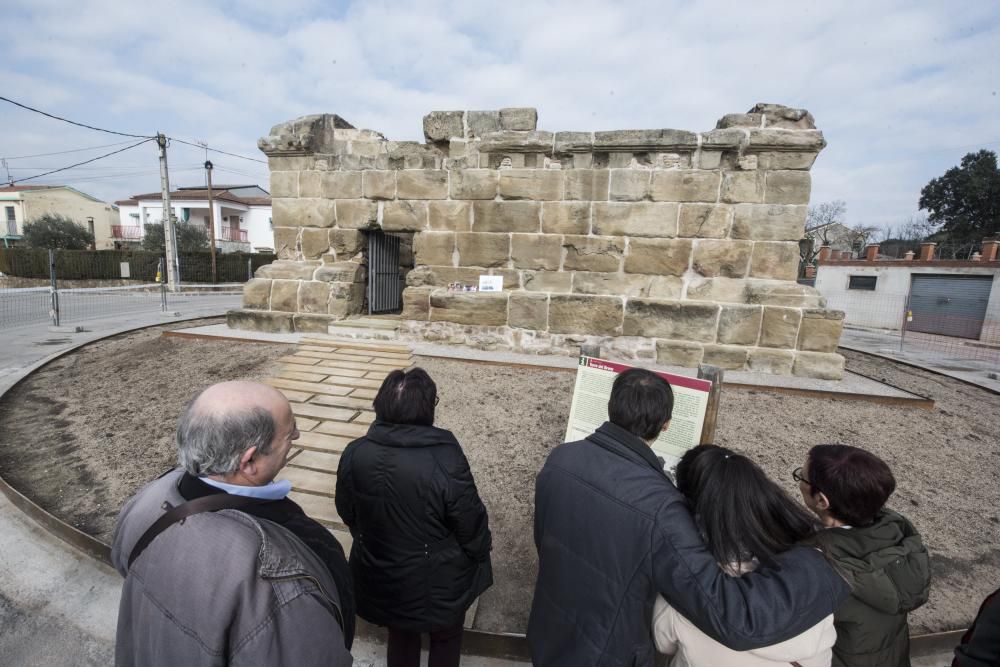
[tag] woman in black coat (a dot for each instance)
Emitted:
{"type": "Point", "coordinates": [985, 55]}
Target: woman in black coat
{"type": "Point", "coordinates": [422, 540]}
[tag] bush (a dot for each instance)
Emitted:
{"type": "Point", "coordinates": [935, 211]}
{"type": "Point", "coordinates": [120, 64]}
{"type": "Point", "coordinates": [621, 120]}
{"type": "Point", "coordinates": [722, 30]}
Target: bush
{"type": "Point", "coordinates": [52, 230]}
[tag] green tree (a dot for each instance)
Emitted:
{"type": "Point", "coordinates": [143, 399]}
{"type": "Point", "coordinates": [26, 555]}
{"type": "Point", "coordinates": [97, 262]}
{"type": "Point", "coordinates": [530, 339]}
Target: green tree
{"type": "Point", "coordinates": [51, 230]}
{"type": "Point", "coordinates": [965, 201]}
{"type": "Point", "coordinates": [190, 237]}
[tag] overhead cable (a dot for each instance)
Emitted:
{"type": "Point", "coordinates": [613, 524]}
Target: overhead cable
{"type": "Point", "coordinates": [99, 157]}
{"type": "Point", "coordinates": [216, 150]}
{"type": "Point", "coordinates": [73, 122]}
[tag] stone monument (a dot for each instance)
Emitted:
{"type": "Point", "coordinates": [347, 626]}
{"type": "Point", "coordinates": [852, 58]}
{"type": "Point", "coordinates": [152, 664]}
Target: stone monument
{"type": "Point", "coordinates": [656, 244]}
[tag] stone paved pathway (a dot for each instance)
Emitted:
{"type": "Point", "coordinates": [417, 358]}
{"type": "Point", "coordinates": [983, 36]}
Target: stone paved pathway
{"type": "Point", "coordinates": [331, 385]}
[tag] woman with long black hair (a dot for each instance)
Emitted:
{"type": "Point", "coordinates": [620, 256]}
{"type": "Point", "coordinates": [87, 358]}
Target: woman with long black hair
{"type": "Point", "coordinates": [746, 519]}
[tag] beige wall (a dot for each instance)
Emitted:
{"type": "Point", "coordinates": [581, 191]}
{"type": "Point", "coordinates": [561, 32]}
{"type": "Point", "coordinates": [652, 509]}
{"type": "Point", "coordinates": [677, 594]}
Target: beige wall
{"type": "Point", "coordinates": [75, 206]}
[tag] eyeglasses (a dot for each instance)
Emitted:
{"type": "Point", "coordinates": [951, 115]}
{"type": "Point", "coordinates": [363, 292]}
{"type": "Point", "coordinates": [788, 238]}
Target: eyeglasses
{"type": "Point", "coordinates": [797, 476]}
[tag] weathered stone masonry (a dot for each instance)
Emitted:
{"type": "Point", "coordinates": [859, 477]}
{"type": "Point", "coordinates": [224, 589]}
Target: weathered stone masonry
{"type": "Point", "coordinates": [662, 244]}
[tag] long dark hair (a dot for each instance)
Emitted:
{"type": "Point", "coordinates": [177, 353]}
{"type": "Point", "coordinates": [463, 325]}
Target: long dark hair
{"type": "Point", "coordinates": [741, 512]}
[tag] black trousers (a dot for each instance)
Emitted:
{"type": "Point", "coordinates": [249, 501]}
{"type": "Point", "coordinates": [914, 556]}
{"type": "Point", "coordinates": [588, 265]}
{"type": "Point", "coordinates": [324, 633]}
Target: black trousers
{"type": "Point", "coordinates": [445, 649]}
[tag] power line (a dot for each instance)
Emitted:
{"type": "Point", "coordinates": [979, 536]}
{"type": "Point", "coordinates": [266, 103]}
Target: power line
{"type": "Point", "coordinates": [99, 157]}
{"type": "Point", "coordinates": [73, 122]}
{"type": "Point", "coordinates": [216, 150]}
{"type": "Point", "coordinates": [75, 150]}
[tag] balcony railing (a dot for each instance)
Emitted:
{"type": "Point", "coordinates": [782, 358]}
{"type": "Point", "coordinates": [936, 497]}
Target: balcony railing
{"type": "Point", "coordinates": [233, 234]}
{"type": "Point", "coordinates": [12, 228]}
{"type": "Point", "coordinates": [126, 232]}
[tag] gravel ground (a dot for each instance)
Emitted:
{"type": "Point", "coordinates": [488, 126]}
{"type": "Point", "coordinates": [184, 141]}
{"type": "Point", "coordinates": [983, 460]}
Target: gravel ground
{"type": "Point", "coordinates": [83, 433]}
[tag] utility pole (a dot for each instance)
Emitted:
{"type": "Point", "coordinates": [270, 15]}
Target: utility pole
{"type": "Point", "coordinates": [169, 238]}
{"type": "Point", "coordinates": [211, 218]}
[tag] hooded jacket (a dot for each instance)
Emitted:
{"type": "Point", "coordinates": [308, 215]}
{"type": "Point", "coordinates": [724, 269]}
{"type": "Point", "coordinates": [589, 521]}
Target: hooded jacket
{"type": "Point", "coordinates": [422, 541]}
{"type": "Point", "coordinates": [888, 568]}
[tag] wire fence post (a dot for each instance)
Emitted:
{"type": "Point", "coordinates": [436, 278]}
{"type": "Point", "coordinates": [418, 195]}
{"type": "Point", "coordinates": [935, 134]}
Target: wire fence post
{"type": "Point", "coordinates": [163, 286]}
{"type": "Point", "coordinates": [906, 318]}
{"type": "Point", "coordinates": [54, 309]}
{"type": "Point", "coordinates": [249, 268]}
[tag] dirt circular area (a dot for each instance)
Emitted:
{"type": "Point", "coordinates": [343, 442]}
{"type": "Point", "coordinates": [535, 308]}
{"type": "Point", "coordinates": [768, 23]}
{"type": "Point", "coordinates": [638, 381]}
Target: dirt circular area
{"type": "Point", "coordinates": [82, 434]}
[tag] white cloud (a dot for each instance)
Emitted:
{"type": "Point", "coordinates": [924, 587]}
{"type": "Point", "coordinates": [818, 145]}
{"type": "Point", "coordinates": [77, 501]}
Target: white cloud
{"type": "Point", "coordinates": [901, 89]}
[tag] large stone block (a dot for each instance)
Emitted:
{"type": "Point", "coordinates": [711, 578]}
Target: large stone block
{"type": "Point", "coordinates": [665, 287]}
{"type": "Point", "coordinates": [704, 220]}
{"type": "Point", "coordinates": [284, 184]}
{"type": "Point", "coordinates": [434, 248]}
{"type": "Point", "coordinates": [682, 320]}
{"type": "Point", "coordinates": [547, 281]}
{"type": "Point", "coordinates": [594, 315]}
{"type": "Point", "coordinates": [404, 216]}
{"type": "Point", "coordinates": [785, 160]}
{"type": "Point", "coordinates": [506, 216]}
{"type": "Point", "coordinates": [346, 299]}
{"type": "Point", "coordinates": [629, 185]}
{"type": "Point", "coordinates": [534, 184]}
{"type": "Point", "coordinates": [313, 297]}
{"type": "Point", "coordinates": [820, 330]}
{"type": "Point", "coordinates": [566, 217]}
{"type": "Point", "coordinates": [341, 184]}
{"type": "Point", "coordinates": [788, 187]}
{"type": "Point", "coordinates": [678, 353]}
{"type": "Point", "coordinates": [648, 139]}
{"type": "Point", "coordinates": [260, 320]}
{"type": "Point", "coordinates": [728, 290]}
{"type": "Point", "coordinates": [341, 272]}
{"type": "Point", "coordinates": [770, 138]}
{"type": "Point", "coordinates": [639, 219]}
{"type": "Point", "coordinates": [739, 325]}
{"type": "Point", "coordinates": [776, 362]}
{"type": "Point", "coordinates": [442, 276]}
{"type": "Point", "coordinates": [314, 242]}
{"type": "Point", "coordinates": [783, 293]}
{"type": "Point", "coordinates": [481, 123]}
{"type": "Point", "coordinates": [529, 310]}
{"type": "Point", "coordinates": [482, 308]}
{"type": "Point", "coordinates": [780, 327]}
{"type": "Point", "coordinates": [379, 184]}
{"type": "Point", "coordinates": [536, 251]}
{"type": "Point", "coordinates": [663, 257]}
{"type": "Point", "coordinates": [587, 184]}
{"type": "Point", "coordinates": [519, 118]}
{"type": "Point", "coordinates": [356, 214]}
{"type": "Point", "coordinates": [818, 365]}
{"type": "Point", "coordinates": [285, 295]}
{"type": "Point", "coordinates": [303, 212]}
{"type": "Point", "coordinates": [592, 253]}
{"type": "Point", "coordinates": [768, 222]}
{"type": "Point", "coordinates": [309, 323]}
{"type": "Point", "coordinates": [455, 216]}
{"type": "Point", "coordinates": [682, 185]}
{"type": "Point", "coordinates": [346, 243]}
{"type": "Point", "coordinates": [739, 187]}
{"type": "Point", "coordinates": [623, 284]}
{"type": "Point", "coordinates": [257, 294]}
{"type": "Point", "coordinates": [486, 250]}
{"type": "Point", "coordinates": [474, 183]}
{"type": "Point", "coordinates": [417, 303]}
{"type": "Point", "coordinates": [286, 242]}
{"type": "Point", "coordinates": [422, 184]}
{"type": "Point", "coordinates": [728, 259]}
{"type": "Point", "coordinates": [443, 125]}
{"type": "Point", "coordinates": [288, 270]}
{"type": "Point", "coordinates": [776, 260]}
{"type": "Point", "coordinates": [730, 357]}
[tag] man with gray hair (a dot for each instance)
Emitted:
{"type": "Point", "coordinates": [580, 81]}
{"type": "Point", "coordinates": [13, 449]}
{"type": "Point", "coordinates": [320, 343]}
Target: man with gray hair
{"type": "Point", "coordinates": [220, 566]}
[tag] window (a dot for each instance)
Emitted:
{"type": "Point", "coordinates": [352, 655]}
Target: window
{"type": "Point", "coordinates": [862, 282]}
{"type": "Point", "coordinates": [11, 221]}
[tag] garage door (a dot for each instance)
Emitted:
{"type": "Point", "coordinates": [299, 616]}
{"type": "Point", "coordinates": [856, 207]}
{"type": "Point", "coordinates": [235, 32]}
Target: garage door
{"type": "Point", "coordinates": [949, 305]}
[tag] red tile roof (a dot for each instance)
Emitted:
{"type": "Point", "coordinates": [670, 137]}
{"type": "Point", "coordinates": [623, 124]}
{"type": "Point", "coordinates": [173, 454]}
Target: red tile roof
{"type": "Point", "coordinates": [188, 194]}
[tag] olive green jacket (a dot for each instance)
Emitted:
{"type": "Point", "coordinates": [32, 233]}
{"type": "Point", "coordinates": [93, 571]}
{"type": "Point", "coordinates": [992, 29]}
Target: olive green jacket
{"type": "Point", "coordinates": [888, 569]}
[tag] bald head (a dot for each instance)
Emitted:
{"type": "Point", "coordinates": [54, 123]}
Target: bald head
{"type": "Point", "coordinates": [225, 420]}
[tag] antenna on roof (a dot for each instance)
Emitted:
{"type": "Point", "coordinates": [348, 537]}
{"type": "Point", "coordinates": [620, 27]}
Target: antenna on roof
{"type": "Point", "coordinates": [10, 179]}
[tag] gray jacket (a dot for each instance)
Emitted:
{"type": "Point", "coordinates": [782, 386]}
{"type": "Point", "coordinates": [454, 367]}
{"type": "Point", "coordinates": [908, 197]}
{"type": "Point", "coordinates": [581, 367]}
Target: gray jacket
{"type": "Point", "coordinates": [221, 588]}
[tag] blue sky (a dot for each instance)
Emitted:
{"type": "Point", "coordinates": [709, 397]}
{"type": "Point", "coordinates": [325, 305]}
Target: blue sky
{"type": "Point", "coordinates": [902, 90]}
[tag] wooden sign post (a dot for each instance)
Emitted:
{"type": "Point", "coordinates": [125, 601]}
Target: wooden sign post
{"type": "Point", "coordinates": [715, 375]}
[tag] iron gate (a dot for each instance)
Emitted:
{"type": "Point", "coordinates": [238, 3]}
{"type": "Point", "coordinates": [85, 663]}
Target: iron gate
{"type": "Point", "coordinates": [385, 289]}
{"type": "Point", "coordinates": [949, 305]}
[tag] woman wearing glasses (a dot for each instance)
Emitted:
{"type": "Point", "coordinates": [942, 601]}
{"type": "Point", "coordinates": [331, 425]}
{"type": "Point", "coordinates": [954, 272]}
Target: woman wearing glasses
{"type": "Point", "coordinates": [878, 551]}
{"type": "Point", "coordinates": [422, 540]}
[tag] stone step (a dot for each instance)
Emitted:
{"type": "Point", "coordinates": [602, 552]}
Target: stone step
{"type": "Point", "coordinates": [321, 508]}
{"type": "Point", "coordinates": [328, 367]}
{"type": "Point", "coordinates": [322, 442]}
{"type": "Point", "coordinates": [320, 483]}
{"type": "Point", "coordinates": [350, 329]}
{"type": "Point", "coordinates": [351, 431]}
{"type": "Point", "coordinates": [313, 387]}
{"type": "Point", "coordinates": [316, 460]}
{"type": "Point", "coordinates": [353, 382]}
{"type": "Point", "coordinates": [323, 412]}
{"type": "Point", "coordinates": [354, 345]}
{"type": "Point", "coordinates": [366, 322]}
{"type": "Point", "coordinates": [343, 401]}
{"type": "Point", "coordinates": [377, 354]}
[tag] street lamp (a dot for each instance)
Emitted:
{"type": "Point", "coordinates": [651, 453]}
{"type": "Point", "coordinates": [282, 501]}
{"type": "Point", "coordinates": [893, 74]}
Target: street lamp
{"type": "Point", "coordinates": [211, 218]}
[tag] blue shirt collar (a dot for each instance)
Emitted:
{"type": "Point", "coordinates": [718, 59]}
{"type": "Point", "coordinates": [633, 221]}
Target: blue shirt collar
{"type": "Point", "coordinates": [276, 490]}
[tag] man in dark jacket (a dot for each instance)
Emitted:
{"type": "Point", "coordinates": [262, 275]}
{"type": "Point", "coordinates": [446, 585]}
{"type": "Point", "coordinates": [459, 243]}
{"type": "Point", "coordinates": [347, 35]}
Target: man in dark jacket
{"type": "Point", "coordinates": [612, 531]}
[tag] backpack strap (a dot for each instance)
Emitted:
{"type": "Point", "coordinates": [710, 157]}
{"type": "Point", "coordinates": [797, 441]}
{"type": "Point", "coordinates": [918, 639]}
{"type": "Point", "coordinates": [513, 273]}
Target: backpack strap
{"type": "Point", "coordinates": [177, 514]}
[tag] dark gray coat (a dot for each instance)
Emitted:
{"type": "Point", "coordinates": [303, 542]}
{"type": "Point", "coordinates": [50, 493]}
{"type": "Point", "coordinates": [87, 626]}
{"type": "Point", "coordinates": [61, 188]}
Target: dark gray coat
{"type": "Point", "coordinates": [223, 588]}
{"type": "Point", "coordinates": [612, 531]}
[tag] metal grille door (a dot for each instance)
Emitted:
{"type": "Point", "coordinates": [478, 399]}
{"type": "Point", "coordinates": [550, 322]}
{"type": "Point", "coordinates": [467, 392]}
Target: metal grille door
{"type": "Point", "coordinates": [949, 305]}
{"type": "Point", "coordinates": [385, 289]}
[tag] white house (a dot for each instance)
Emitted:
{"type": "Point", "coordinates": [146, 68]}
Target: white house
{"type": "Point", "coordinates": [242, 216]}
{"type": "Point", "coordinates": [947, 297]}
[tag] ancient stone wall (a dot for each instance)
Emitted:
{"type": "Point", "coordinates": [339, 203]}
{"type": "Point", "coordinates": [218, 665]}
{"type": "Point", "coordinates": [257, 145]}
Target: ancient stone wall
{"type": "Point", "coordinates": [665, 244]}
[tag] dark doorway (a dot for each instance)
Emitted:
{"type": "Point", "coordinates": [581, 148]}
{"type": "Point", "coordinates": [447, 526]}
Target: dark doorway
{"type": "Point", "coordinates": [385, 285]}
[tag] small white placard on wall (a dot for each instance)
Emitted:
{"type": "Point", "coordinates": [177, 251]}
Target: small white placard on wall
{"type": "Point", "coordinates": [126, 270]}
{"type": "Point", "coordinates": [490, 283]}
